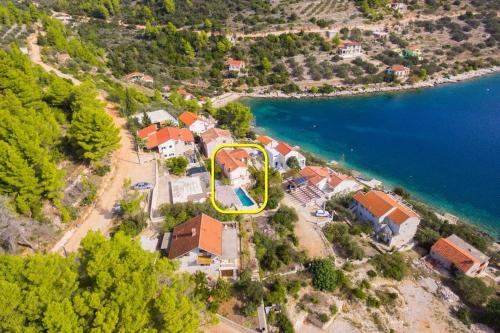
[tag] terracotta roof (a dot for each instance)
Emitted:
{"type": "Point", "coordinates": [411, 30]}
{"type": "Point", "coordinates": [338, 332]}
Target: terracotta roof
{"type": "Point", "coordinates": [231, 159]}
{"type": "Point", "coordinates": [134, 74]}
{"type": "Point", "coordinates": [147, 78]}
{"type": "Point", "coordinates": [215, 133]}
{"type": "Point", "coordinates": [146, 131]}
{"type": "Point", "coordinates": [349, 43]}
{"type": "Point", "coordinates": [201, 231]}
{"type": "Point", "coordinates": [188, 118]}
{"type": "Point", "coordinates": [265, 140]}
{"type": "Point", "coordinates": [399, 68]}
{"type": "Point", "coordinates": [169, 133]}
{"type": "Point", "coordinates": [450, 251]}
{"type": "Point", "coordinates": [337, 178]}
{"type": "Point", "coordinates": [184, 92]}
{"type": "Point", "coordinates": [380, 203]}
{"type": "Point", "coordinates": [236, 63]}
{"type": "Point", "coordinates": [315, 174]}
{"type": "Point", "coordinates": [283, 148]}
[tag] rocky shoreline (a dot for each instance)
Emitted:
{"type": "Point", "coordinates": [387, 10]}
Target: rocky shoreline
{"type": "Point", "coordinates": [222, 100]}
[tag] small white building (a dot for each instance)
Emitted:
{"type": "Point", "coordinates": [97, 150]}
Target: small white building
{"type": "Point", "coordinates": [158, 117]}
{"type": "Point", "coordinates": [350, 49]}
{"type": "Point", "coordinates": [170, 141]}
{"type": "Point", "coordinates": [236, 65]}
{"type": "Point", "coordinates": [454, 251]}
{"type": "Point", "coordinates": [204, 244]}
{"type": "Point", "coordinates": [332, 183]}
{"type": "Point", "coordinates": [233, 163]}
{"type": "Point", "coordinates": [213, 138]}
{"type": "Point", "coordinates": [196, 124]}
{"type": "Point", "coordinates": [393, 221]}
{"type": "Point", "coordinates": [281, 153]}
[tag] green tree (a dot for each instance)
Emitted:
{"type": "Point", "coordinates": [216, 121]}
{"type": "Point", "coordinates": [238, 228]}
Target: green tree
{"type": "Point", "coordinates": [93, 134]}
{"type": "Point", "coordinates": [177, 165]}
{"type": "Point", "coordinates": [235, 117]}
{"type": "Point", "coordinates": [169, 6]}
{"type": "Point", "coordinates": [129, 104]}
{"type": "Point", "coordinates": [293, 163]}
{"type": "Point", "coordinates": [108, 285]}
{"type": "Point", "coordinates": [324, 275]}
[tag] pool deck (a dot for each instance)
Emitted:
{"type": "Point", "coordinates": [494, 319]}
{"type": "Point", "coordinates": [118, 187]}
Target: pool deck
{"type": "Point", "coordinates": [225, 194]}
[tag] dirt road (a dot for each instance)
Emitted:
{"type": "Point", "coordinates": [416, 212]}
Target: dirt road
{"type": "Point", "coordinates": [309, 239]}
{"type": "Point", "coordinates": [125, 164]}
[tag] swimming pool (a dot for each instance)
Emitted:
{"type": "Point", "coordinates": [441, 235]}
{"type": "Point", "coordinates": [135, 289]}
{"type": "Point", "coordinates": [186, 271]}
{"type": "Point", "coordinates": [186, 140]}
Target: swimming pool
{"type": "Point", "coordinates": [244, 199]}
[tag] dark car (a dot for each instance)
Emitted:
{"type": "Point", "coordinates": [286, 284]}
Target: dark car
{"type": "Point", "coordinates": [142, 186]}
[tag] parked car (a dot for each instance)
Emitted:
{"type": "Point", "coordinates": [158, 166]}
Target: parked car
{"type": "Point", "coordinates": [142, 186]}
{"type": "Point", "coordinates": [322, 213]}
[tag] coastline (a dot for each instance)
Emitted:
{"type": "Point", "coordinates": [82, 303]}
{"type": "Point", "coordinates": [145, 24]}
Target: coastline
{"type": "Point", "coordinates": [418, 197]}
{"type": "Point", "coordinates": [222, 100]}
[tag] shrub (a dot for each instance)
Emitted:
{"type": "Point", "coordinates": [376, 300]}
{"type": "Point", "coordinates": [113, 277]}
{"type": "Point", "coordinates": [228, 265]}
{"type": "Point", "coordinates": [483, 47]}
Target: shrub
{"type": "Point", "coordinates": [391, 265]}
{"type": "Point", "coordinates": [177, 165]}
{"type": "Point", "coordinates": [464, 316]}
{"type": "Point", "coordinates": [333, 309]}
{"type": "Point", "coordinates": [371, 273]}
{"type": "Point", "coordinates": [323, 317]}
{"type": "Point", "coordinates": [372, 302]}
{"type": "Point", "coordinates": [325, 276]}
{"type": "Point", "coordinates": [472, 290]}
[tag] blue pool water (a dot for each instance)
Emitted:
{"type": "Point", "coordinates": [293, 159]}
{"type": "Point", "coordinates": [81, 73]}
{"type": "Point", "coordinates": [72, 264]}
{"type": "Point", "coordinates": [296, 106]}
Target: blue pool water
{"type": "Point", "coordinates": [443, 143]}
{"type": "Point", "coordinates": [244, 199]}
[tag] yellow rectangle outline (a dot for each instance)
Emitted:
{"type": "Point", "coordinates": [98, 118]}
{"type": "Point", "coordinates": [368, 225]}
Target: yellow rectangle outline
{"type": "Point", "coordinates": [266, 178]}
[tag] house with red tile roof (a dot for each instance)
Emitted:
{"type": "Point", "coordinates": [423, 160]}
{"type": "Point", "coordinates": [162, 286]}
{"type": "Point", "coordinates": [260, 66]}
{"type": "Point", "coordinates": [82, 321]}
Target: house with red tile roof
{"type": "Point", "coordinates": [454, 251]}
{"type": "Point", "coordinates": [332, 183]}
{"type": "Point", "coordinates": [266, 141]}
{"type": "Point", "coordinates": [170, 141]}
{"type": "Point", "coordinates": [138, 77]}
{"type": "Point", "coordinates": [233, 163]}
{"type": "Point", "coordinates": [236, 65]}
{"type": "Point", "coordinates": [350, 49]}
{"type": "Point", "coordinates": [195, 123]}
{"type": "Point", "coordinates": [214, 137]}
{"type": "Point", "coordinates": [205, 244]}
{"type": "Point", "coordinates": [393, 221]}
{"type": "Point", "coordinates": [399, 71]}
{"type": "Point", "coordinates": [281, 153]}
{"type": "Point", "coordinates": [187, 96]}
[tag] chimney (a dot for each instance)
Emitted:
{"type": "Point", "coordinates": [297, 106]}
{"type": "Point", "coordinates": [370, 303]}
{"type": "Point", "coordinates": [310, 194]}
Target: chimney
{"type": "Point", "coordinates": [193, 232]}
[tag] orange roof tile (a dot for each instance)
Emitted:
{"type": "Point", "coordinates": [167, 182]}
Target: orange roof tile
{"type": "Point", "coordinates": [184, 92]}
{"type": "Point", "coordinates": [134, 74]}
{"type": "Point", "coordinates": [237, 63]}
{"type": "Point", "coordinates": [215, 133]}
{"type": "Point", "coordinates": [146, 131]}
{"type": "Point", "coordinates": [315, 174]}
{"type": "Point", "coordinates": [454, 254]}
{"type": "Point", "coordinates": [399, 68]}
{"type": "Point", "coordinates": [147, 78]}
{"type": "Point", "coordinates": [169, 133]}
{"type": "Point", "coordinates": [188, 118]}
{"type": "Point", "coordinates": [231, 159]}
{"type": "Point", "coordinates": [201, 231]}
{"type": "Point", "coordinates": [337, 178]}
{"type": "Point", "coordinates": [284, 148]}
{"type": "Point", "coordinates": [265, 140]}
{"type": "Point", "coordinates": [380, 203]}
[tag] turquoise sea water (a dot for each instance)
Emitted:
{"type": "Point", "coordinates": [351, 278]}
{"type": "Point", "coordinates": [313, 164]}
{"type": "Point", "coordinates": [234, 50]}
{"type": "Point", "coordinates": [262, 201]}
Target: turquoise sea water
{"type": "Point", "coordinates": [443, 143]}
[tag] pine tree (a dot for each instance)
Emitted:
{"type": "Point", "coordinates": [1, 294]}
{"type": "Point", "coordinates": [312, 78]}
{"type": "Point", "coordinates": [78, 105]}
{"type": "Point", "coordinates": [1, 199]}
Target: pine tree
{"type": "Point", "coordinates": [93, 134]}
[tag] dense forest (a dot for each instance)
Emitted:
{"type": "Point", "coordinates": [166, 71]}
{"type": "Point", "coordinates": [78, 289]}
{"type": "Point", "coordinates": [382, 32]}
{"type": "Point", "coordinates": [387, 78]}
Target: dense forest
{"type": "Point", "coordinates": [108, 286]}
{"type": "Point", "coordinates": [44, 120]}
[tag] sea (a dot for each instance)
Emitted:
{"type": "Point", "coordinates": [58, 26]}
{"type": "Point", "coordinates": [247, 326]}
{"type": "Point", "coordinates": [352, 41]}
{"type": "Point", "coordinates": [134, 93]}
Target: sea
{"type": "Point", "coordinates": [441, 143]}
